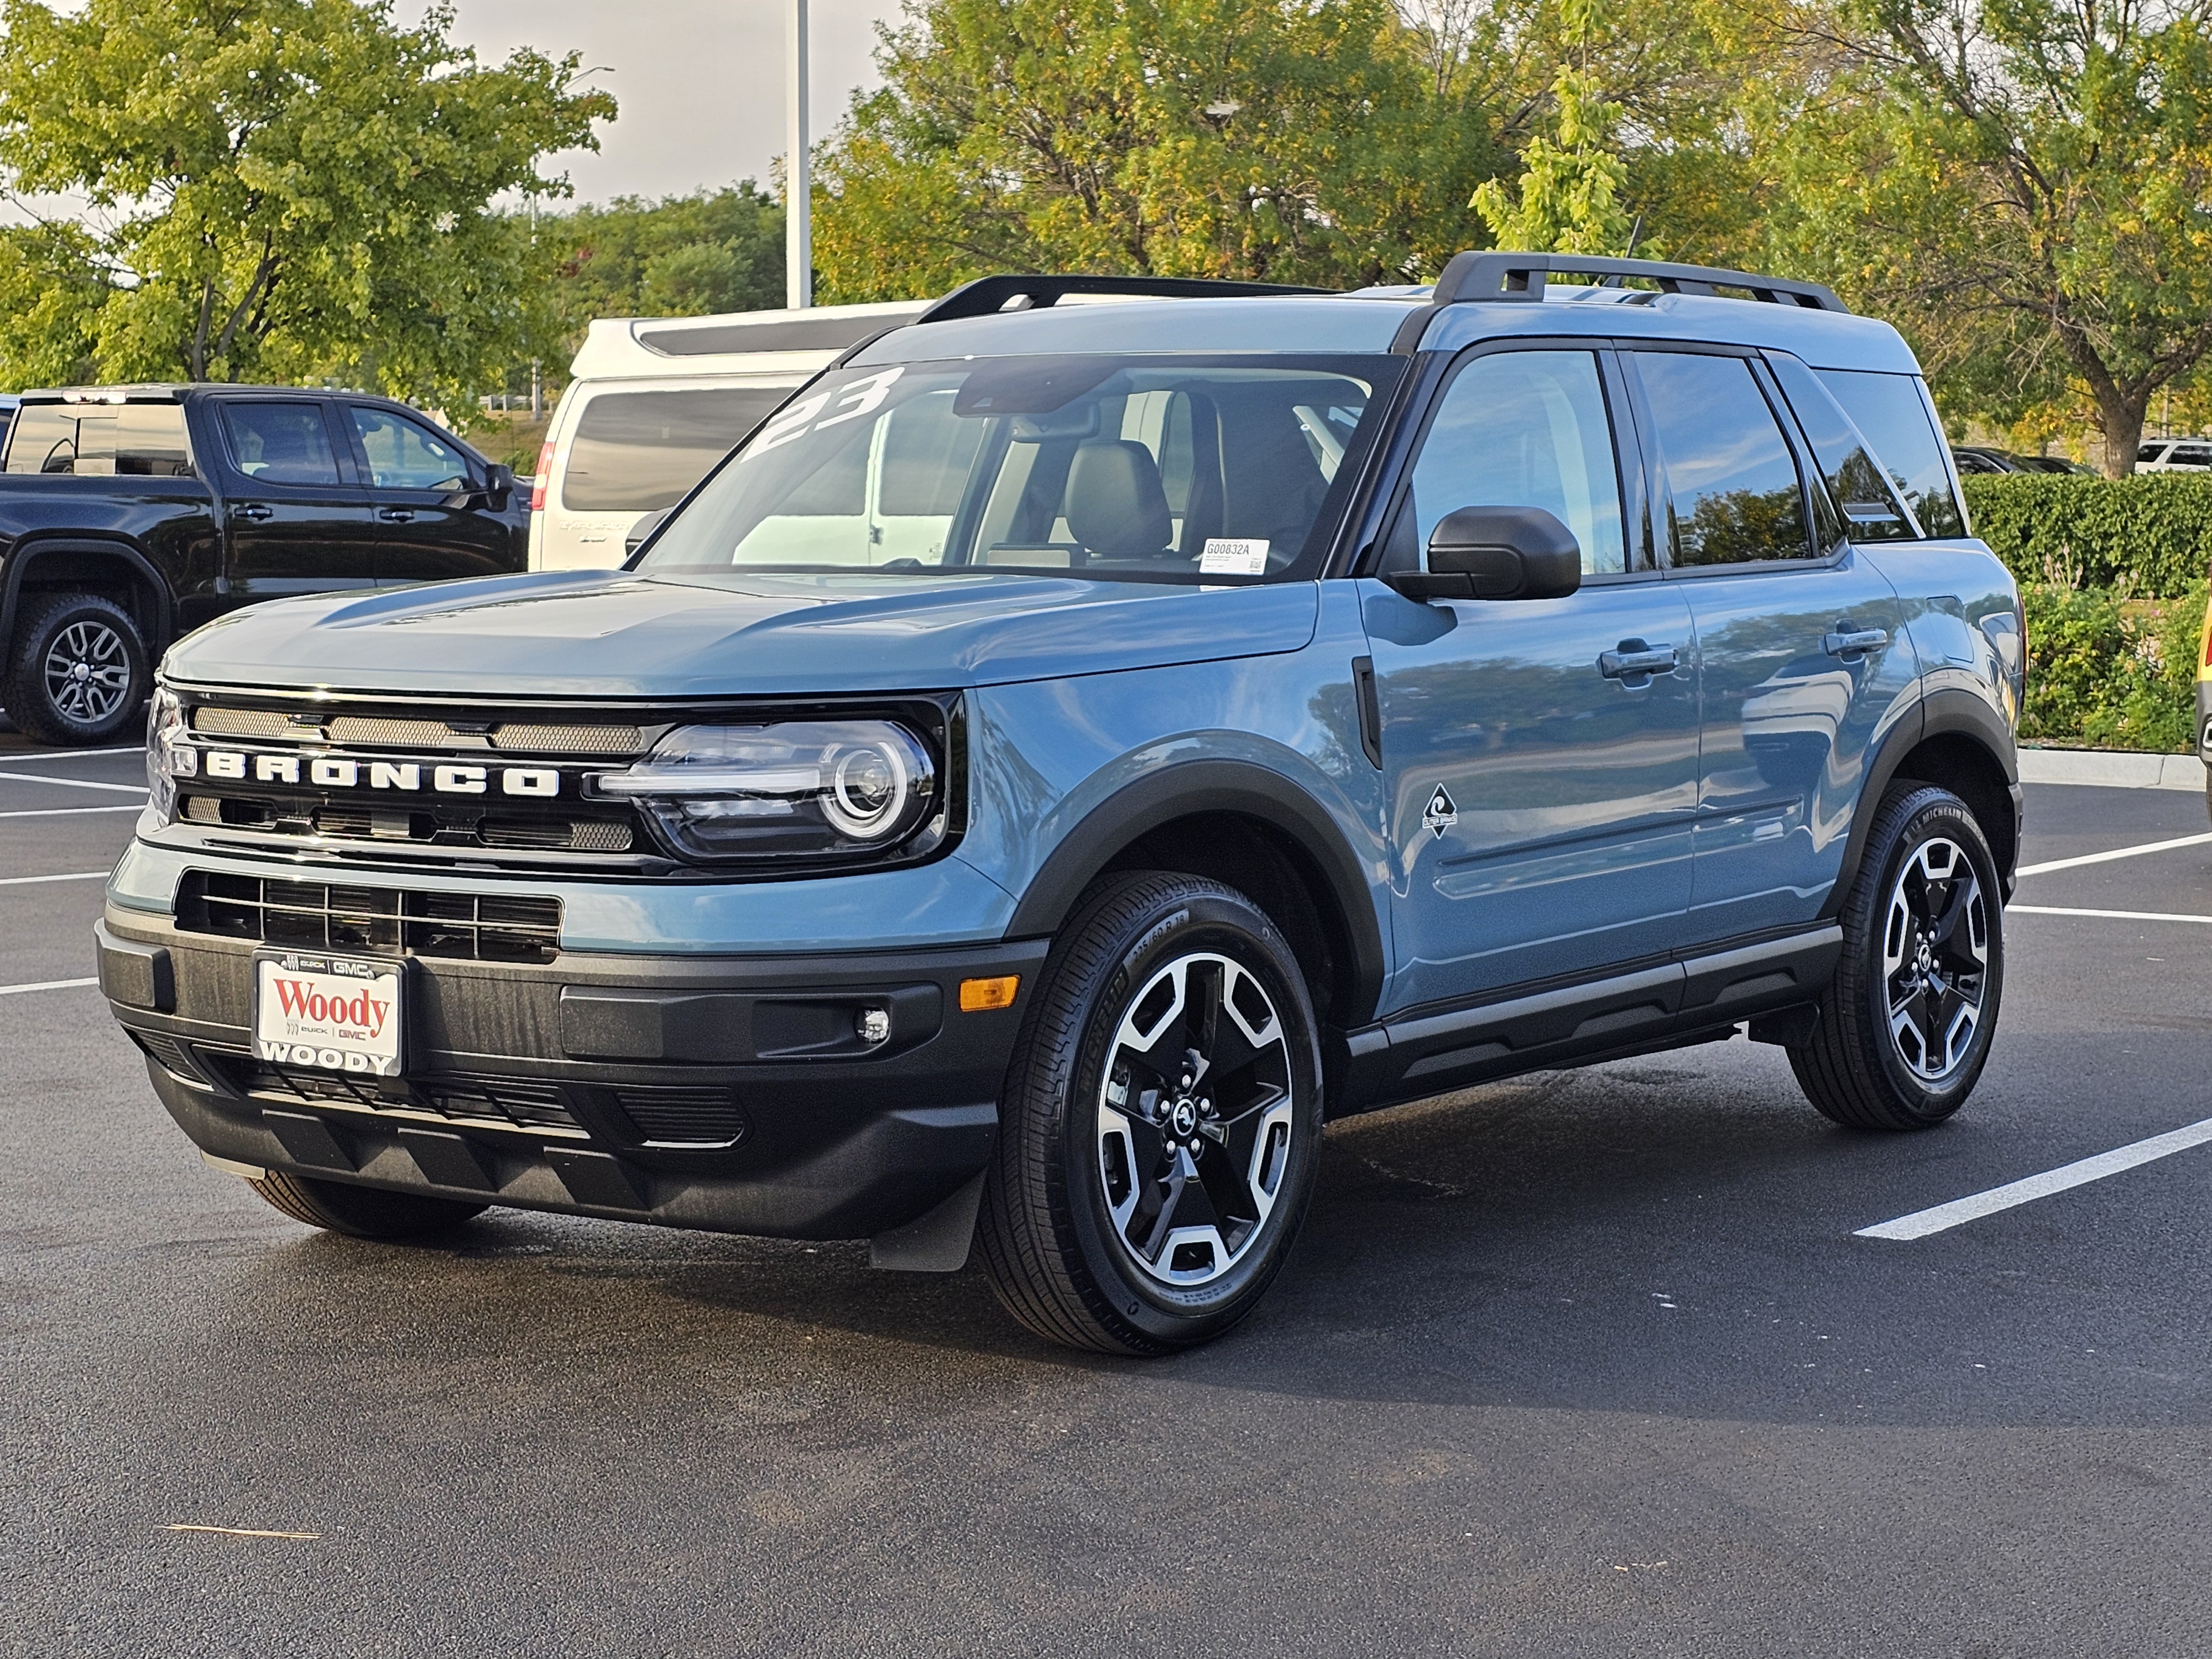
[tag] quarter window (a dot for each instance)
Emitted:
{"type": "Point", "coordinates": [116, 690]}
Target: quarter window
{"type": "Point", "coordinates": [1892, 411]}
{"type": "Point", "coordinates": [1525, 428]}
{"type": "Point", "coordinates": [1733, 493]}
{"type": "Point", "coordinates": [281, 443]}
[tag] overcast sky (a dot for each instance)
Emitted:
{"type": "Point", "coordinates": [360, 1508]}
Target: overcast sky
{"type": "Point", "coordinates": [700, 82]}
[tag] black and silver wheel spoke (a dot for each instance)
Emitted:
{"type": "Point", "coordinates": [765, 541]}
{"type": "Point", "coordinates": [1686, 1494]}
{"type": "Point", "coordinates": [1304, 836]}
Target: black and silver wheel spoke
{"type": "Point", "coordinates": [1934, 956]}
{"type": "Point", "coordinates": [87, 671]}
{"type": "Point", "coordinates": [1195, 1117]}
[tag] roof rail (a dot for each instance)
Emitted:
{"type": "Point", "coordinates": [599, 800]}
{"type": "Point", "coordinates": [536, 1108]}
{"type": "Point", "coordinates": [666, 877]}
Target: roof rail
{"type": "Point", "coordinates": [1520, 277]}
{"type": "Point", "coordinates": [988, 295]}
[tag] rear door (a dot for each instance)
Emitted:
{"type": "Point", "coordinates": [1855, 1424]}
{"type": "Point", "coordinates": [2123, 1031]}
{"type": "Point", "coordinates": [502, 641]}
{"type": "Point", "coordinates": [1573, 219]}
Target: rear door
{"type": "Point", "coordinates": [297, 521]}
{"type": "Point", "coordinates": [625, 451]}
{"type": "Point", "coordinates": [1799, 641]}
{"type": "Point", "coordinates": [434, 520]}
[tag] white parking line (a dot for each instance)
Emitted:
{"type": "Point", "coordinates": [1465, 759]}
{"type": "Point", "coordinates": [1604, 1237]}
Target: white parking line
{"type": "Point", "coordinates": [47, 985]}
{"type": "Point", "coordinates": [2108, 916]}
{"type": "Point", "coordinates": [70, 811]}
{"type": "Point", "coordinates": [2117, 853]}
{"type": "Point", "coordinates": [33, 881]}
{"type": "Point", "coordinates": [71, 754]}
{"type": "Point", "coordinates": [73, 783]}
{"type": "Point", "coordinates": [1921, 1222]}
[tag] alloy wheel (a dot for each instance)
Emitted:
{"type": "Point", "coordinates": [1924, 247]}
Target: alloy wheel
{"type": "Point", "coordinates": [1195, 1116]}
{"type": "Point", "coordinates": [88, 673]}
{"type": "Point", "coordinates": [1936, 954]}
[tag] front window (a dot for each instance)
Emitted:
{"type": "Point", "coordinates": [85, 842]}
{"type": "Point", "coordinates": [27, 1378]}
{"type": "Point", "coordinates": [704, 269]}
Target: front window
{"type": "Point", "coordinates": [1145, 468]}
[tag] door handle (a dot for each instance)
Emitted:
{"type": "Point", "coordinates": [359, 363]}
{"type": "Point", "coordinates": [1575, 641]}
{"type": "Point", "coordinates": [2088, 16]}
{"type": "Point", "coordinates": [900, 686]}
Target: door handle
{"type": "Point", "coordinates": [396, 514]}
{"type": "Point", "coordinates": [257, 511]}
{"type": "Point", "coordinates": [1848, 642]}
{"type": "Point", "coordinates": [1635, 661]}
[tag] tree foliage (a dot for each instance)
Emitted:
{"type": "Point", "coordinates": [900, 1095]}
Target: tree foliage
{"type": "Point", "coordinates": [1569, 200]}
{"type": "Point", "coordinates": [283, 189]}
{"type": "Point", "coordinates": [683, 256]}
{"type": "Point", "coordinates": [2025, 185]}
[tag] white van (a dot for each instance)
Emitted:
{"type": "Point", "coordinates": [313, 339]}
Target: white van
{"type": "Point", "coordinates": [2175, 455]}
{"type": "Point", "coordinates": [655, 402]}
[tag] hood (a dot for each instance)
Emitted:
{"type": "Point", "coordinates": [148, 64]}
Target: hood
{"type": "Point", "coordinates": [619, 634]}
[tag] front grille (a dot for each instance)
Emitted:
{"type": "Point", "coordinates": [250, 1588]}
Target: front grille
{"type": "Point", "coordinates": [671, 1116]}
{"type": "Point", "coordinates": [446, 827]}
{"type": "Point", "coordinates": [598, 740]}
{"type": "Point", "coordinates": [318, 916]}
{"type": "Point", "coordinates": [513, 1102]}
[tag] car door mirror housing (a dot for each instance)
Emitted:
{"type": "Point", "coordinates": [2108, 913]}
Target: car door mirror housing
{"type": "Point", "coordinates": [499, 482]}
{"type": "Point", "coordinates": [1496, 553]}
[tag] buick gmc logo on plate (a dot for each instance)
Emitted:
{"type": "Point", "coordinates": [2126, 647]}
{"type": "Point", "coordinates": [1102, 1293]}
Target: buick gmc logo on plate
{"type": "Point", "coordinates": [404, 777]}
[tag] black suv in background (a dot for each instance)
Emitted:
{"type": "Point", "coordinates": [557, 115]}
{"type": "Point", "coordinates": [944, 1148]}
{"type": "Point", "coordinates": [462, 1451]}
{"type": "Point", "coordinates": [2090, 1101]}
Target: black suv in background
{"type": "Point", "coordinates": [131, 514]}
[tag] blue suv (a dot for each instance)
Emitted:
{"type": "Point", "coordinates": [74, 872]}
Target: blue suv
{"type": "Point", "coordinates": [1073, 751]}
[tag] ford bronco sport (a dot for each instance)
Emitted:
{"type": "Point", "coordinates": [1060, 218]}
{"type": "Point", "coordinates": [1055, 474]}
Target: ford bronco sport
{"type": "Point", "coordinates": [1070, 752]}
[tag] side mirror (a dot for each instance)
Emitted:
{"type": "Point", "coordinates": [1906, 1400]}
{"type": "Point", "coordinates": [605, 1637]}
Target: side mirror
{"type": "Point", "coordinates": [499, 484]}
{"type": "Point", "coordinates": [1496, 553]}
{"type": "Point", "coordinates": [643, 529]}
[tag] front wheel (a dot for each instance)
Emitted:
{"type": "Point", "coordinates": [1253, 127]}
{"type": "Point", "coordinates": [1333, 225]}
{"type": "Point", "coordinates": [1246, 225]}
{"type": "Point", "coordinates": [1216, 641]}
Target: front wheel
{"type": "Point", "coordinates": [1905, 1028]}
{"type": "Point", "coordinates": [1162, 1121]}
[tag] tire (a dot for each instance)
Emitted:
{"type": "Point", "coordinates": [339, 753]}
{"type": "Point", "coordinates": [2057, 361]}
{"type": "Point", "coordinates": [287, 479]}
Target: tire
{"type": "Point", "coordinates": [1101, 1227]}
{"type": "Point", "coordinates": [77, 672]}
{"type": "Point", "coordinates": [360, 1212]}
{"type": "Point", "coordinates": [1905, 1027]}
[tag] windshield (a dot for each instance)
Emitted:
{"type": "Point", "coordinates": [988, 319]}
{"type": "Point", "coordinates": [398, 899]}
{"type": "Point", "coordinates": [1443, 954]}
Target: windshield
{"type": "Point", "coordinates": [1147, 469]}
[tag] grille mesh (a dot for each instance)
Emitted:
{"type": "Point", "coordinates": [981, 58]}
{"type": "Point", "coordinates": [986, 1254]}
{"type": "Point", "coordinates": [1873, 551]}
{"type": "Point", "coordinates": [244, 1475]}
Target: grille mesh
{"type": "Point", "coordinates": [695, 1116]}
{"type": "Point", "coordinates": [509, 1102]}
{"type": "Point", "coordinates": [399, 732]}
{"type": "Point", "coordinates": [244, 723]}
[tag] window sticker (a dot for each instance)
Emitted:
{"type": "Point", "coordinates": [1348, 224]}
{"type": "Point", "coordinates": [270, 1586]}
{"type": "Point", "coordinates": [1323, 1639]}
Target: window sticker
{"type": "Point", "coordinates": [1231, 555]}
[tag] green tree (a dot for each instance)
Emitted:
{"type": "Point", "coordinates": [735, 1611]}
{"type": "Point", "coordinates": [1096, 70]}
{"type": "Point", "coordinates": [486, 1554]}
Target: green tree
{"type": "Point", "coordinates": [1271, 139]}
{"type": "Point", "coordinates": [1569, 199]}
{"type": "Point", "coordinates": [294, 188]}
{"type": "Point", "coordinates": [2025, 185]}
{"type": "Point", "coordinates": [683, 256]}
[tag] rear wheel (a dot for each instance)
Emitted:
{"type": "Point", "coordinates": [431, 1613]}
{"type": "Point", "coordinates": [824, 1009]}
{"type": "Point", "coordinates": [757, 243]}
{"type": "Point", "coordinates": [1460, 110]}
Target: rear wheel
{"type": "Point", "coordinates": [1162, 1121]}
{"type": "Point", "coordinates": [1905, 1028]}
{"type": "Point", "coordinates": [77, 672]}
{"type": "Point", "coordinates": [360, 1211]}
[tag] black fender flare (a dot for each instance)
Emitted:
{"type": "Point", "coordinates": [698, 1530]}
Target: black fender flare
{"type": "Point", "coordinates": [1190, 788]}
{"type": "Point", "coordinates": [27, 552]}
{"type": "Point", "coordinates": [1946, 712]}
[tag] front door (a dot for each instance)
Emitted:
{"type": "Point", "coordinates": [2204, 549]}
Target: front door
{"type": "Point", "coordinates": [1800, 639]}
{"type": "Point", "coordinates": [293, 522]}
{"type": "Point", "coordinates": [434, 521]}
{"type": "Point", "coordinates": [1542, 756]}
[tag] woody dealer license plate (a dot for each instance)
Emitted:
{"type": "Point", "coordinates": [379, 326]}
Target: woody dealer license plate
{"type": "Point", "coordinates": [333, 1013]}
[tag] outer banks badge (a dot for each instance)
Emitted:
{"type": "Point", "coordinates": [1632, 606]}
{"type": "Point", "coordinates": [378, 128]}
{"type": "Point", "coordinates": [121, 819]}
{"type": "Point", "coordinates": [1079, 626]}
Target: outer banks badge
{"type": "Point", "coordinates": [1442, 814]}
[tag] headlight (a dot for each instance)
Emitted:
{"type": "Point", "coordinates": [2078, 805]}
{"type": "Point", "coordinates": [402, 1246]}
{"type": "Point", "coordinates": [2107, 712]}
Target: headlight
{"type": "Point", "coordinates": [169, 756]}
{"type": "Point", "coordinates": [797, 790]}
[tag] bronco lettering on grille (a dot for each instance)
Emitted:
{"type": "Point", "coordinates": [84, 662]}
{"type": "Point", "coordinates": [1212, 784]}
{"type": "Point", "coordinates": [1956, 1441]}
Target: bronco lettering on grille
{"type": "Point", "coordinates": [334, 772]}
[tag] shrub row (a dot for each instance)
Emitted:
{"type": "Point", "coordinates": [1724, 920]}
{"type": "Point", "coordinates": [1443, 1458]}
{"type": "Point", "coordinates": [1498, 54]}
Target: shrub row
{"type": "Point", "coordinates": [2111, 671]}
{"type": "Point", "coordinates": [2149, 537]}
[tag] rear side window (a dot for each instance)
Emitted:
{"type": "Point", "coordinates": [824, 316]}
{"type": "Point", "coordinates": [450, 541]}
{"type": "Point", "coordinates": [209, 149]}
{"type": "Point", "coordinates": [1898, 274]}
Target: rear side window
{"type": "Point", "coordinates": [1871, 510]}
{"type": "Point", "coordinates": [1893, 411]}
{"type": "Point", "coordinates": [1735, 495]}
{"type": "Point", "coordinates": [636, 452]}
{"type": "Point", "coordinates": [144, 441]}
{"type": "Point", "coordinates": [402, 455]}
{"type": "Point", "coordinates": [2150, 452]}
{"type": "Point", "coordinates": [281, 443]}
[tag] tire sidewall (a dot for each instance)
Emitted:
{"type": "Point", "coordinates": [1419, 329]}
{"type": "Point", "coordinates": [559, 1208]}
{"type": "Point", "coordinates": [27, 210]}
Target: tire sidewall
{"type": "Point", "coordinates": [1940, 816]}
{"type": "Point", "coordinates": [41, 718]}
{"type": "Point", "coordinates": [1210, 918]}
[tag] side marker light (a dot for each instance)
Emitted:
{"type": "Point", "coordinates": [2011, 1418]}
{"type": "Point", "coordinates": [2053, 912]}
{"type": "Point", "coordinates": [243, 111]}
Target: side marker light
{"type": "Point", "coordinates": [981, 995]}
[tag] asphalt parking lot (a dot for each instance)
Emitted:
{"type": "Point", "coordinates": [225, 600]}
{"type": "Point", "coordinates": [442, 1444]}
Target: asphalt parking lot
{"type": "Point", "coordinates": [1586, 1363]}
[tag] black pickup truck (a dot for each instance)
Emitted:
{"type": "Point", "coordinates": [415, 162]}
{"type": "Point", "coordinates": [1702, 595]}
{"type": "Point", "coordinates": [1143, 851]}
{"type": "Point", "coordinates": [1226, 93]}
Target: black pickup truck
{"type": "Point", "coordinates": [130, 515]}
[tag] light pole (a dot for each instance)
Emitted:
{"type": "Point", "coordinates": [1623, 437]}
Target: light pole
{"type": "Point", "coordinates": [797, 190]}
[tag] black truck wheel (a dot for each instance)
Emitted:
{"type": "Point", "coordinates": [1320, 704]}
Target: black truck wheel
{"type": "Point", "coordinates": [1905, 1028]}
{"type": "Point", "coordinates": [77, 672]}
{"type": "Point", "coordinates": [360, 1211]}
{"type": "Point", "coordinates": [1161, 1125]}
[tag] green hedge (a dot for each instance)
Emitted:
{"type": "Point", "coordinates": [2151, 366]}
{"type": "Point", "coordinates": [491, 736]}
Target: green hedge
{"type": "Point", "coordinates": [2110, 672]}
{"type": "Point", "coordinates": [2149, 537]}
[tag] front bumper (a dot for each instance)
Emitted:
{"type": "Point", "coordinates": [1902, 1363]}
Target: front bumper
{"type": "Point", "coordinates": [731, 1094]}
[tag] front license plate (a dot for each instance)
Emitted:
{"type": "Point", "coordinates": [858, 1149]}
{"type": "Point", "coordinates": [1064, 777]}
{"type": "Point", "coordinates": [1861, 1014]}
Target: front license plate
{"type": "Point", "coordinates": [333, 1013]}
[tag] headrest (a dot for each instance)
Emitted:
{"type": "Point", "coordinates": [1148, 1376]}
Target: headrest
{"type": "Point", "coordinates": [1116, 506]}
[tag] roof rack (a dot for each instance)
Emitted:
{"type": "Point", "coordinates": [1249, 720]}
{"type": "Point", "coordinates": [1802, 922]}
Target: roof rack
{"type": "Point", "coordinates": [989, 296]}
{"type": "Point", "coordinates": [1520, 277]}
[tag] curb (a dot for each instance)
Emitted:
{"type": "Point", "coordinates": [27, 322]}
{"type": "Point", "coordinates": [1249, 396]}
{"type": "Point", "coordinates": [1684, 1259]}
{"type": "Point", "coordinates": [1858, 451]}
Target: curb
{"type": "Point", "coordinates": [2111, 768]}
